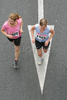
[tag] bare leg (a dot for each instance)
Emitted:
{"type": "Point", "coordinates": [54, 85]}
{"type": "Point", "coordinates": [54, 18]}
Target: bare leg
{"type": "Point", "coordinates": [39, 51]}
{"type": "Point", "coordinates": [40, 56]}
{"type": "Point", "coordinates": [17, 52]}
{"type": "Point", "coordinates": [45, 50]}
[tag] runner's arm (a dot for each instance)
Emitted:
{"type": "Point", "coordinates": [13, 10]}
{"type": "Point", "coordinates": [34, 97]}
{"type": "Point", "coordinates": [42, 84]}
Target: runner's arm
{"type": "Point", "coordinates": [32, 31]}
{"type": "Point", "coordinates": [3, 31]}
{"type": "Point", "coordinates": [52, 34]}
{"type": "Point", "coordinates": [21, 25]}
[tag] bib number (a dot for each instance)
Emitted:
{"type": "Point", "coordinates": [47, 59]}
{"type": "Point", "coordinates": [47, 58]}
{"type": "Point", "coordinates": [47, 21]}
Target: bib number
{"type": "Point", "coordinates": [15, 34]}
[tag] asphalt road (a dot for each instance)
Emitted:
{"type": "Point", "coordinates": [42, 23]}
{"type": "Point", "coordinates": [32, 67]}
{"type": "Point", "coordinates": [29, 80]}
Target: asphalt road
{"type": "Point", "coordinates": [23, 84]}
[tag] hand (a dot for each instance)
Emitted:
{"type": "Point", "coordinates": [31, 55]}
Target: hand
{"type": "Point", "coordinates": [10, 36]}
{"type": "Point", "coordinates": [33, 40]}
{"type": "Point", "coordinates": [21, 31]}
{"type": "Point", "coordinates": [46, 43]}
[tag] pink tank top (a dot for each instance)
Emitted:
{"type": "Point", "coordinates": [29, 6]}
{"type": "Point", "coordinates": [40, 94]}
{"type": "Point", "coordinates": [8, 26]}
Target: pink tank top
{"type": "Point", "coordinates": [15, 31]}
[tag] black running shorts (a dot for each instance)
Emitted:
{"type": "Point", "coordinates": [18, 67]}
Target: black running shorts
{"type": "Point", "coordinates": [16, 41]}
{"type": "Point", "coordinates": [39, 45]}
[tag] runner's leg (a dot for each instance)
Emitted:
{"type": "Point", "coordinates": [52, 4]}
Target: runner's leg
{"type": "Point", "coordinates": [17, 52]}
{"type": "Point", "coordinates": [39, 51]}
{"type": "Point", "coordinates": [40, 56]}
{"type": "Point", "coordinates": [45, 50]}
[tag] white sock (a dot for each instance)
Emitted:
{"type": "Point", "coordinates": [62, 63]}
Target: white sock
{"type": "Point", "coordinates": [41, 57]}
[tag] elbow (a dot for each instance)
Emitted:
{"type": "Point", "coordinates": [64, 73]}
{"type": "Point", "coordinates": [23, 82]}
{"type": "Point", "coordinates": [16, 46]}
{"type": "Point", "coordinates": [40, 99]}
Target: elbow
{"type": "Point", "coordinates": [32, 28]}
{"type": "Point", "coordinates": [54, 32]}
{"type": "Point", "coordinates": [1, 30]}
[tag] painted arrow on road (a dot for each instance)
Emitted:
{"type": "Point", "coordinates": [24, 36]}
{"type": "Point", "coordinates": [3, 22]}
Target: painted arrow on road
{"type": "Point", "coordinates": [41, 70]}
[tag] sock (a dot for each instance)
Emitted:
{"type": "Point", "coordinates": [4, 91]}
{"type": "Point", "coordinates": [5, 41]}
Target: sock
{"type": "Point", "coordinates": [16, 60]}
{"type": "Point", "coordinates": [42, 57]}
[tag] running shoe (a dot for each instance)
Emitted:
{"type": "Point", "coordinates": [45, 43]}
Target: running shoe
{"type": "Point", "coordinates": [16, 64]}
{"type": "Point", "coordinates": [40, 60]}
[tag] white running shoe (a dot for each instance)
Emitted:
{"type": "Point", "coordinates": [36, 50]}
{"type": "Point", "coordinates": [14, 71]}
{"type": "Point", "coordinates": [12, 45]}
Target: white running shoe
{"type": "Point", "coordinates": [40, 60]}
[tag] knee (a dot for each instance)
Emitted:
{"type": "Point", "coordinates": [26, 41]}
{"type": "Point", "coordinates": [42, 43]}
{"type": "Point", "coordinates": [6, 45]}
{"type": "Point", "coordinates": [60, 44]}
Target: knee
{"type": "Point", "coordinates": [40, 53]}
{"type": "Point", "coordinates": [17, 49]}
{"type": "Point", "coordinates": [45, 51]}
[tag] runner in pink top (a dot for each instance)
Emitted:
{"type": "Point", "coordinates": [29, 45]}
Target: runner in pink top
{"type": "Point", "coordinates": [12, 28]}
{"type": "Point", "coordinates": [15, 31]}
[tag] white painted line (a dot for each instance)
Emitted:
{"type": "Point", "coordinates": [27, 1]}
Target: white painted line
{"type": "Point", "coordinates": [40, 10]}
{"type": "Point", "coordinates": [41, 70]}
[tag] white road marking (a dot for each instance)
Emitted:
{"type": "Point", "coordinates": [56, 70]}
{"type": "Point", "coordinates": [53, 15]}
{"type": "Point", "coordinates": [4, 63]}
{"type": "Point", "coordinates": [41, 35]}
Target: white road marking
{"type": "Point", "coordinates": [40, 10]}
{"type": "Point", "coordinates": [41, 70]}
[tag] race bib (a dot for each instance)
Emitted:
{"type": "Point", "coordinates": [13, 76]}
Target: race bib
{"type": "Point", "coordinates": [41, 36]}
{"type": "Point", "coordinates": [15, 34]}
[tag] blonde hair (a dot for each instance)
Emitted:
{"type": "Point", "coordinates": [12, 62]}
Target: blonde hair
{"type": "Point", "coordinates": [43, 22]}
{"type": "Point", "coordinates": [14, 16]}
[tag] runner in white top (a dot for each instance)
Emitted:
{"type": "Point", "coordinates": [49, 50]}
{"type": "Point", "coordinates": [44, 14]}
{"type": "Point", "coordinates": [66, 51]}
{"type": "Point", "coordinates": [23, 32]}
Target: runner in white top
{"type": "Point", "coordinates": [42, 38]}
